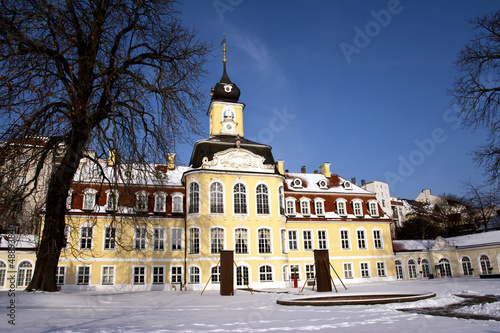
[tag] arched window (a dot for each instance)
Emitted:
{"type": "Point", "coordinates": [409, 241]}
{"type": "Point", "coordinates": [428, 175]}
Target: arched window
{"type": "Point", "coordinates": [194, 198]}
{"type": "Point", "coordinates": [241, 241]}
{"type": "Point", "coordinates": [194, 274]}
{"type": "Point", "coordinates": [240, 199]}
{"type": "Point", "coordinates": [399, 270]}
{"type": "Point", "coordinates": [467, 266]}
{"type": "Point", "coordinates": [194, 240]}
{"type": "Point", "coordinates": [357, 207]}
{"type": "Point", "coordinates": [3, 273]}
{"type": "Point", "coordinates": [341, 207]}
{"type": "Point", "coordinates": [485, 263]}
{"type": "Point", "coordinates": [445, 267]}
{"type": "Point", "coordinates": [216, 198]}
{"type": "Point", "coordinates": [266, 273]}
{"type": "Point", "coordinates": [281, 199]}
{"type": "Point", "coordinates": [242, 274]}
{"type": "Point", "coordinates": [177, 199]}
{"type": "Point", "coordinates": [412, 269]}
{"type": "Point", "coordinates": [264, 236]}
{"type": "Point", "coordinates": [426, 268]}
{"type": "Point", "coordinates": [24, 273]}
{"type": "Point", "coordinates": [89, 199]}
{"type": "Point", "coordinates": [262, 193]}
{"type": "Point", "coordinates": [216, 240]}
{"type": "Point", "coordinates": [373, 208]}
{"type": "Point", "coordinates": [215, 274]}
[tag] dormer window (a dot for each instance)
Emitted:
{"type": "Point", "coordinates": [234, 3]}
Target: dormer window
{"type": "Point", "coordinates": [347, 185]}
{"type": "Point", "coordinates": [112, 200]}
{"type": "Point", "coordinates": [305, 206]}
{"type": "Point", "coordinates": [319, 206]}
{"type": "Point", "coordinates": [141, 201]}
{"type": "Point", "coordinates": [373, 208]}
{"type": "Point", "coordinates": [341, 206]}
{"type": "Point", "coordinates": [357, 207]}
{"type": "Point", "coordinates": [177, 202]}
{"type": "Point", "coordinates": [290, 206]}
{"type": "Point", "coordinates": [89, 199]}
{"type": "Point", "coordinates": [297, 183]}
{"type": "Point", "coordinates": [160, 202]}
{"type": "Point", "coordinates": [323, 184]}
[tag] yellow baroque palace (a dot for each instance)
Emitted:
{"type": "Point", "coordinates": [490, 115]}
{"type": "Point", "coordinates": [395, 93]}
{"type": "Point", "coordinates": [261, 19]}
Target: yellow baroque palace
{"type": "Point", "coordinates": [166, 232]}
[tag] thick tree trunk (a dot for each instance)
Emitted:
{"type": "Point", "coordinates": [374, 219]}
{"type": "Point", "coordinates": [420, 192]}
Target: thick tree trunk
{"type": "Point", "coordinates": [52, 240]}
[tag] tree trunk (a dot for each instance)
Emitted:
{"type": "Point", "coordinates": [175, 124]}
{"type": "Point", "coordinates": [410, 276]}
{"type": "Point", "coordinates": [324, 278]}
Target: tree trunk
{"type": "Point", "coordinates": [53, 239]}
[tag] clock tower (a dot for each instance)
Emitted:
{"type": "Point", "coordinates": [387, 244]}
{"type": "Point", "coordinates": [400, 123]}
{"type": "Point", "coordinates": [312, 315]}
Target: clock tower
{"type": "Point", "coordinates": [224, 112]}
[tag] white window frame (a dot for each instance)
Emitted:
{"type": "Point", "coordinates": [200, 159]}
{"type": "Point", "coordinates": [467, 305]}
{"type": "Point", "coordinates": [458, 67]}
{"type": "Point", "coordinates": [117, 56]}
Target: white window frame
{"type": "Point", "coordinates": [320, 240]}
{"type": "Point", "coordinates": [361, 241]}
{"type": "Point", "coordinates": [283, 240]}
{"type": "Point", "coordinates": [263, 205]}
{"type": "Point", "coordinates": [80, 237]}
{"type": "Point", "coordinates": [307, 242]}
{"type": "Point", "coordinates": [78, 275]}
{"type": "Point", "coordinates": [156, 241]}
{"type": "Point", "coordinates": [345, 241]}
{"type": "Point", "coordinates": [293, 272]}
{"type": "Point", "coordinates": [141, 201]}
{"type": "Point", "coordinates": [194, 243]}
{"type": "Point", "coordinates": [193, 199]}
{"type": "Point", "coordinates": [348, 271]}
{"type": "Point", "coordinates": [269, 241]}
{"type": "Point", "coordinates": [310, 271]}
{"type": "Point", "coordinates": [464, 261]}
{"type": "Point", "coordinates": [373, 208]}
{"type": "Point", "coordinates": [357, 207]}
{"type": "Point", "coordinates": [89, 199]}
{"type": "Point", "coordinates": [67, 236]}
{"type": "Point", "coordinates": [214, 207]}
{"type": "Point", "coordinates": [192, 275]}
{"type": "Point", "coordinates": [108, 275]}
{"type": "Point", "coordinates": [378, 240]}
{"type": "Point", "coordinates": [69, 199]}
{"type": "Point", "coordinates": [215, 274]}
{"type": "Point", "coordinates": [142, 238]}
{"type": "Point", "coordinates": [291, 202]}
{"type": "Point", "coordinates": [319, 206]}
{"type": "Point", "coordinates": [155, 274]}
{"type": "Point", "coordinates": [139, 275]}
{"type": "Point", "coordinates": [305, 206]}
{"type": "Point", "coordinates": [412, 269]}
{"type": "Point", "coordinates": [216, 241]}
{"type": "Point", "coordinates": [364, 270]}
{"type": "Point", "coordinates": [281, 199]}
{"type": "Point", "coordinates": [293, 240]}
{"type": "Point", "coordinates": [400, 270]}
{"type": "Point", "coordinates": [112, 206]}
{"type": "Point", "coordinates": [111, 239]}
{"type": "Point", "coordinates": [246, 277]}
{"type": "Point", "coordinates": [381, 269]}
{"type": "Point", "coordinates": [244, 202]}
{"type": "Point", "coordinates": [341, 205]}
{"type": "Point", "coordinates": [284, 272]}
{"type": "Point", "coordinates": [245, 240]}
{"type": "Point", "coordinates": [160, 202]}
{"type": "Point", "coordinates": [177, 207]}
{"type": "Point", "coordinates": [176, 244]}
{"type": "Point", "coordinates": [59, 276]}
{"type": "Point", "coordinates": [266, 273]}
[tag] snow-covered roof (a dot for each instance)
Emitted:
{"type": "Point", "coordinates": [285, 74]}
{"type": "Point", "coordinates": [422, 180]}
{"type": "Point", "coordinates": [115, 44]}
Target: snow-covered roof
{"type": "Point", "coordinates": [411, 245]}
{"type": "Point", "coordinates": [310, 183]}
{"type": "Point", "coordinates": [19, 241]}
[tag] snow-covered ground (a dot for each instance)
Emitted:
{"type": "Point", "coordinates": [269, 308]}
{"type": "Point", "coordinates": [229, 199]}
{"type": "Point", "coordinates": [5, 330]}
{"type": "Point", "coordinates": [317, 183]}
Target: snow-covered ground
{"type": "Point", "coordinates": [189, 312]}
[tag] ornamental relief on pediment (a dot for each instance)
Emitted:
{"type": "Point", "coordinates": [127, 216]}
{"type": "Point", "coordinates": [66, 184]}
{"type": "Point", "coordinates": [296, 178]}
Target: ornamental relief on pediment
{"type": "Point", "coordinates": [237, 159]}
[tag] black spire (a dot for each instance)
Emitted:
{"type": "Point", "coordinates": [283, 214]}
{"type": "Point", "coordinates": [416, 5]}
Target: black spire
{"type": "Point", "coordinates": [225, 90]}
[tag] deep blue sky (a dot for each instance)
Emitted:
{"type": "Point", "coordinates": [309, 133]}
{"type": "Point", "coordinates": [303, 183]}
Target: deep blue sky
{"type": "Point", "coordinates": [364, 112]}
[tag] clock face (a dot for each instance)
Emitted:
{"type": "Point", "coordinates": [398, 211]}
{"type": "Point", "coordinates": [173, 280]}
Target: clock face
{"type": "Point", "coordinates": [228, 126]}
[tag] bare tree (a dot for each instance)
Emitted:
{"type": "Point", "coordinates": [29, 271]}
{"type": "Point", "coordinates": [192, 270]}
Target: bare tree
{"type": "Point", "coordinates": [119, 75]}
{"type": "Point", "coordinates": [484, 200]}
{"type": "Point", "coordinates": [476, 90]}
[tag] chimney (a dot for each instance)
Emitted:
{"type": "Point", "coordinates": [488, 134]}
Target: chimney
{"type": "Point", "coordinates": [325, 170]}
{"type": "Point", "coordinates": [279, 167]}
{"type": "Point", "coordinates": [363, 182]}
{"type": "Point", "coordinates": [171, 161]}
{"type": "Point", "coordinates": [303, 169]}
{"type": "Point", "coordinates": [315, 172]}
{"type": "Point", "coordinates": [286, 171]}
{"type": "Point", "coordinates": [353, 180]}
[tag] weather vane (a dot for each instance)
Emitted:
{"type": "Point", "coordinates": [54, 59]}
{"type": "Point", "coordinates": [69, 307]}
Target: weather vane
{"type": "Point", "coordinates": [224, 47]}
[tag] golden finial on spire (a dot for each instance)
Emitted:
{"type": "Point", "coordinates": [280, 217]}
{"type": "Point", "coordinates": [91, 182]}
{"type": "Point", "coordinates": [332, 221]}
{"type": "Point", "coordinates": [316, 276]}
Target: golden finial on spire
{"type": "Point", "coordinates": [224, 47]}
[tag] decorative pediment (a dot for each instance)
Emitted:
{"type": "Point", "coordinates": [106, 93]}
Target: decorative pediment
{"type": "Point", "coordinates": [441, 244]}
{"type": "Point", "coordinates": [237, 159]}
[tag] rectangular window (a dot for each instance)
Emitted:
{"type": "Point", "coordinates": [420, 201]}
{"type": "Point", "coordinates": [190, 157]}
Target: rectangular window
{"type": "Point", "coordinates": [216, 240]}
{"type": "Point", "coordinates": [341, 208]}
{"type": "Point", "coordinates": [292, 240]}
{"type": "Point", "coordinates": [176, 239]}
{"type": "Point", "coordinates": [290, 207]}
{"type": "Point", "coordinates": [194, 241]}
{"type": "Point", "coordinates": [159, 239]}
{"type": "Point", "coordinates": [241, 237]}
{"type": "Point", "coordinates": [361, 239]}
{"type": "Point", "coordinates": [108, 275]}
{"type": "Point", "coordinates": [348, 270]}
{"type": "Point", "coordinates": [158, 274]}
{"type": "Point", "coordinates": [83, 275]}
{"type": "Point", "coordinates": [160, 199]}
{"type": "Point", "coordinates": [264, 240]}
{"type": "Point", "coordinates": [86, 238]}
{"type": "Point", "coordinates": [365, 270]}
{"type": "Point", "coordinates": [344, 240]}
{"type": "Point", "coordinates": [140, 238]}
{"type": "Point", "coordinates": [60, 275]}
{"type": "Point", "coordinates": [357, 209]}
{"type": "Point", "coordinates": [139, 275]}
{"type": "Point", "coordinates": [176, 274]}
{"type": "Point", "coordinates": [310, 271]}
{"type": "Point", "coordinates": [322, 240]}
{"type": "Point", "coordinates": [377, 239]}
{"type": "Point", "coordinates": [307, 237]}
{"type": "Point", "coordinates": [319, 208]}
{"type": "Point", "coordinates": [88, 200]}
{"type": "Point", "coordinates": [294, 272]}
{"type": "Point", "coordinates": [194, 274]}
{"type": "Point", "coordinates": [381, 268]}
{"type": "Point", "coordinates": [110, 238]}
{"type": "Point", "coordinates": [283, 241]}
{"type": "Point", "coordinates": [177, 204]}
{"type": "Point", "coordinates": [304, 207]}
{"type": "Point", "coordinates": [216, 274]}
{"type": "Point", "coordinates": [265, 273]}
